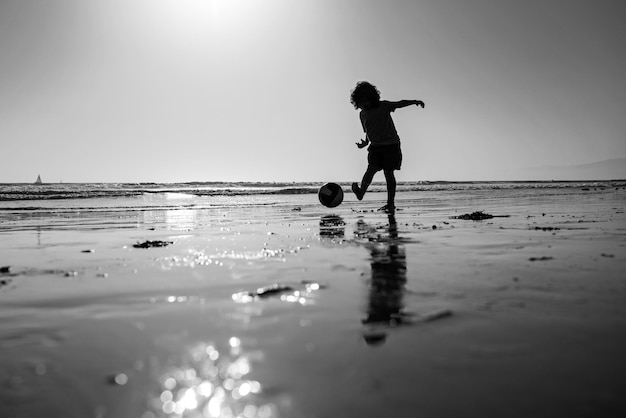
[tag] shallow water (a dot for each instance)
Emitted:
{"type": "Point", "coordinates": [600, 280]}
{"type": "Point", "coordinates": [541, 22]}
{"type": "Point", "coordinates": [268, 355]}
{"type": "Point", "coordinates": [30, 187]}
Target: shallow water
{"type": "Point", "coordinates": [91, 326]}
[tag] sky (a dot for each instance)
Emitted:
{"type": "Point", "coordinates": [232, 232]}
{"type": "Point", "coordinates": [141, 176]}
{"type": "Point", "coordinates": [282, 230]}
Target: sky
{"type": "Point", "coordinates": [258, 90]}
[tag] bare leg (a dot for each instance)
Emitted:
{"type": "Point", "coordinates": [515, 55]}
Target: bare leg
{"type": "Point", "coordinates": [367, 178]}
{"type": "Point", "coordinates": [365, 183]}
{"type": "Point", "coordinates": [391, 189]}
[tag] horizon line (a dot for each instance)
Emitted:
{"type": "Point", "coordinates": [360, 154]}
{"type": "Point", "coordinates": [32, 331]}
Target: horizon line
{"type": "Point", "coordinates": [311, 181]}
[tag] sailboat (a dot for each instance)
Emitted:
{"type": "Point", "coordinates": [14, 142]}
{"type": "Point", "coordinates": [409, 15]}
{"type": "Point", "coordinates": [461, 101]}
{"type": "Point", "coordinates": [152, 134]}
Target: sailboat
{"type": "Point", "coordinates": [38, 181]}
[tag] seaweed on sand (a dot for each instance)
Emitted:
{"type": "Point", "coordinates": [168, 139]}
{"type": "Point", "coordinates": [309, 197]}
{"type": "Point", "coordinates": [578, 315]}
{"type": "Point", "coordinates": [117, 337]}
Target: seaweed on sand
{"type": "Point", "coordinates": [150, 244]}
{"type": "Point", "coordinates": [478, 216]}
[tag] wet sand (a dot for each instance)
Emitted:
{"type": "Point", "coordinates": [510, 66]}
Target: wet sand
{"type": "Point", "coordinates": [420, 314]}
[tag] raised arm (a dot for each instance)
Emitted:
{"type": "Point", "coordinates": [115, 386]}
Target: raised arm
{"type": "Point", "coordinates": [405, 103]}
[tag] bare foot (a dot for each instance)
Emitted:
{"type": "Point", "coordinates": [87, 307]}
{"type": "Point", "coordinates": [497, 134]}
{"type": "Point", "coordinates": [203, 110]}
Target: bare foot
{"type": "Point", "coordinates": [390, 209]}
{"type": "Point", "coordinates": [357, 191]}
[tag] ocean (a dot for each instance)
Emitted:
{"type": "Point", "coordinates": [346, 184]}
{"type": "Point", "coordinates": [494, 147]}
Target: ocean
{"type": "Point", "coordinates": [10, 192]}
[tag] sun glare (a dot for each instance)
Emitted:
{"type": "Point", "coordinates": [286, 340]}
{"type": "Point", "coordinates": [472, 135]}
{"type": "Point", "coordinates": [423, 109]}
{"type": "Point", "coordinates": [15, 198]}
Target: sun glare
{"type": "Point", "coordinates": [194, 21]}
{"type": "Point", "coordinates": [215, 11]}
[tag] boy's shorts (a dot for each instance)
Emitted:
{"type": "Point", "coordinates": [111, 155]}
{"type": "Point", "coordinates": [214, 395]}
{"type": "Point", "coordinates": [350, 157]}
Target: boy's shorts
{"type": "Point", "coordinates": [387, 157]}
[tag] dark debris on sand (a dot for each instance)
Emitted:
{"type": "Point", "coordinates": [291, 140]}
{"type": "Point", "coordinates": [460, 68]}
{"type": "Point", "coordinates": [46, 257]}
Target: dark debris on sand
{"type": "Point", "coordinates": [151, 244]}
{"type": "Point", "coordinates": [264, 292]}
{"type": "Point", "coordinates": [478, 216]}
{"type": "Point", "coordinates": [546, 228]}
{"type": "Point", "coordinates": [277, 289]}
{"type": "Point", "coordinates": [273, 289]}
{"type": "Point", "coordinates": [543, 258]}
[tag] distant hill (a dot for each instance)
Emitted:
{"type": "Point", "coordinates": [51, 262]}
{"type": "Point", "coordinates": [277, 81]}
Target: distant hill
{"type": "Point", "coordinates": [613, 169]}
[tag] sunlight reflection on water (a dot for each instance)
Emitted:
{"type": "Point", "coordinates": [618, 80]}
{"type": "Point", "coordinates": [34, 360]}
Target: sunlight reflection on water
{"type": "Point", "coordinates": [211, 383]}
{"type": "Point", "coordinates": [196, 258]}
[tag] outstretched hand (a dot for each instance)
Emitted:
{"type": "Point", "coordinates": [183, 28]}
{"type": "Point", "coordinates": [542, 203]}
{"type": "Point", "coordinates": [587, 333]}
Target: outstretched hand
{"type": "Point", "coordinates": [419, 103]}
{"type": "Point", "coordinates": [363, 143]}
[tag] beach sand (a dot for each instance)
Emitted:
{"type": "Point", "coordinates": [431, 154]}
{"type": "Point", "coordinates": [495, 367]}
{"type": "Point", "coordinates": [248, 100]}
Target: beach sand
{"type": "Point", "coordinates": [417, 315]}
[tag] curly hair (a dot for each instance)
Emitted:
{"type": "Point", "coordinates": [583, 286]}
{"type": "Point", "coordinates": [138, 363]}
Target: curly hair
{"type": "Point", "coordinates": [364, 91]}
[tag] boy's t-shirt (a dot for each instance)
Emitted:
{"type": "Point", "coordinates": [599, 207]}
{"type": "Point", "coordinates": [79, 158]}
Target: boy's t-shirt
{"type": "Point", "coordinates": [378, 125]}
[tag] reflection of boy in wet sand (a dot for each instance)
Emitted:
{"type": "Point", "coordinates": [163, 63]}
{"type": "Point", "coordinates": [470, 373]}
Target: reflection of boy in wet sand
{"type": "Point", "coordinates": [380, 133]}
{"type": "Point", "coordinates": [385, 300]}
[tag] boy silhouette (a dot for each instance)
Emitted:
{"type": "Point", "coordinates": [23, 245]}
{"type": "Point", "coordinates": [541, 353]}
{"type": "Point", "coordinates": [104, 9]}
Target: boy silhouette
{"type": "Point", "coordinates": [380, 134]}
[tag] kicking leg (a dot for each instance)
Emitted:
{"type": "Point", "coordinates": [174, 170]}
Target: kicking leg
{"type": "Point", "coordinates": [365, 182]}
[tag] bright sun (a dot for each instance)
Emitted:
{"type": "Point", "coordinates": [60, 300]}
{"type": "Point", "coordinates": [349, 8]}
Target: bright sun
{"type": "Point", "coordinates": [217, 13]}
{"type": "Point", "coordinates": [189, 22]}
{"type": "Point", "coordinates": [217, 8]}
